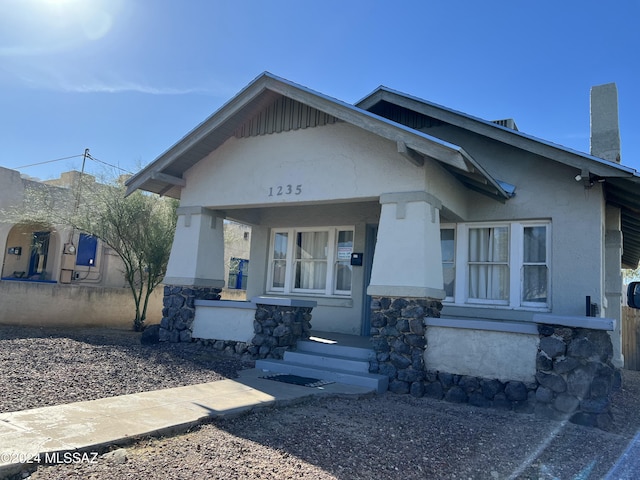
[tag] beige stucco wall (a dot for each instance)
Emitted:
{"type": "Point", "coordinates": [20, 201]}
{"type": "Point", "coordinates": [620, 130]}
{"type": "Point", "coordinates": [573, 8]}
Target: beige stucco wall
{"type": "Point", "coordinates": [40, 304]}
{"type": "Point", "coordinates": [225, 320]}
{"type": "Point", "coordinates": [479, 353]}
{"type": "Point", "coordinates": [545, 190]}
{"type": "Point", "coordinates": [333, 163]}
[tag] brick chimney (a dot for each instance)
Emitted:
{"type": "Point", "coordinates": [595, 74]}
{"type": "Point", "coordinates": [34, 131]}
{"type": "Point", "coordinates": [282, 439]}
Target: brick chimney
{"type": "Point", "coordinates": [605, 132]}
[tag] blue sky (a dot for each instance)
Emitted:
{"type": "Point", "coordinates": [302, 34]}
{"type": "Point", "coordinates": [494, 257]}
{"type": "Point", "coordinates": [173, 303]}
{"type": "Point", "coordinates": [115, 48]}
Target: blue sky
{"type": "Point", "coordinates": [128, 78]}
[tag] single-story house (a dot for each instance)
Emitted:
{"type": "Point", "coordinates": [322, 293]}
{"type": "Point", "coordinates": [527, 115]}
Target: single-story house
{"type": "Point", "coordinates": [461, 246]}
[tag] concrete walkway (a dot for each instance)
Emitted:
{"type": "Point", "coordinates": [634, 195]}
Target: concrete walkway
{"type": "Point", "coordinates": [90, 426]}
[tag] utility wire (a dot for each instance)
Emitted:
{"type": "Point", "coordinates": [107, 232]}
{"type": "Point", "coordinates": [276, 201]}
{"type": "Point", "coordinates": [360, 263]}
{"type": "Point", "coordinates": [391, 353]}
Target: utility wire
{"type": "Point", "coordinates": [51, 161]}
{"type": "Point", "coordinates": [87, 155]}
{"type": "Point", "coordinates": [90, 157]}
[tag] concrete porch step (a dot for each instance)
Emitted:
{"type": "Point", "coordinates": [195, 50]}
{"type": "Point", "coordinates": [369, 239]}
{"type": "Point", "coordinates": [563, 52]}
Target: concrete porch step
{"type": "Point", "coordinates": [323, 360]}
{"type": "Point", "coordinates": [321, 347]}
{"type": "Point", "coordinates": [379, 383]}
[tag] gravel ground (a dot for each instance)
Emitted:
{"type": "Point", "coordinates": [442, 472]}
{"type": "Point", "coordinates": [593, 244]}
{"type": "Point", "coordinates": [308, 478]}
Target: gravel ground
{"type": "Point", "coordinates": [43, 367]}
{"type": "Point", "coordinates": [372, 437]}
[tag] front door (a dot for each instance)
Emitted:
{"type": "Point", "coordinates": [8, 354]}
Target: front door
{"type": "Point", "coordinates": [370, 246]}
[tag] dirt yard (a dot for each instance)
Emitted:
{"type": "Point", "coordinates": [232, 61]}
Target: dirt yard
{"type": "Point", "coordinates": [373, 437]}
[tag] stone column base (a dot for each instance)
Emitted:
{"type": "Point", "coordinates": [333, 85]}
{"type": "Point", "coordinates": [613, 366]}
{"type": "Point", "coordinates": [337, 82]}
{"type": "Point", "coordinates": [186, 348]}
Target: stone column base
{"type": "Point", "coordinates": [179, 310]}
{"type": "Point", "coordinates": [398, 338]}
{"type": "Point", "coordinates": [278, 328]}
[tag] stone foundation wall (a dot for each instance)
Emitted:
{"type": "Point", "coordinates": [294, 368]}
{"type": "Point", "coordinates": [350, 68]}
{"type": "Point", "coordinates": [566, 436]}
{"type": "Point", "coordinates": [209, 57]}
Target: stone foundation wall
{"type": "Point", "coordinates": [574, 373]}
{"type": "Point", "coordinates": [278, 328]}
{"type": "Point", "coordinates": [230, 347]}
{"type": "Point", "coordinates": [179, 311]}
{"type": "Point", "coordinates": [397, 337]}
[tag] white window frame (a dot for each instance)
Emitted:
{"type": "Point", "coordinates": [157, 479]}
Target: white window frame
{"type": "Point", "coordinates": [332, 261]}
{"type": "Point", "coordinates": [515, 261]}
{"type": "Point", "coordinates": [546, 263]}
{"type": "Point", "coordinates": [453, 263]}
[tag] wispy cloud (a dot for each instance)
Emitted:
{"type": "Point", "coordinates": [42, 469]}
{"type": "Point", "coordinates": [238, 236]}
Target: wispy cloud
{"type": "Point", "coordinates": [70, 80]}
{"type": "Point", "coordinates": [123, 87]}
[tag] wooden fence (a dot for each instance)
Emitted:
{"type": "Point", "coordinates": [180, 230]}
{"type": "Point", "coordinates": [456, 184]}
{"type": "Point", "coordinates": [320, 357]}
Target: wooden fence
{"type": "Point", "coordinates": [631, 338]}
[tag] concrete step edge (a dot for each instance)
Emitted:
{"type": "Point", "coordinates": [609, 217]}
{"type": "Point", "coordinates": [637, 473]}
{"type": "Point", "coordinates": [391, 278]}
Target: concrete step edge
{"type": "Point", "coordinates": [336, 350]}
{"type": "Point", "coordinates": [379, 383]}
{"type": "Point", "coordinates": [323, 360]}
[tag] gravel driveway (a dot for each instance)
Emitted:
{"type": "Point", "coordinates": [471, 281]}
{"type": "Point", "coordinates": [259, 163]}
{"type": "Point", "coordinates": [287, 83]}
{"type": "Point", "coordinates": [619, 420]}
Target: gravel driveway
{"type": "Point", "coordinates": [373, 437]}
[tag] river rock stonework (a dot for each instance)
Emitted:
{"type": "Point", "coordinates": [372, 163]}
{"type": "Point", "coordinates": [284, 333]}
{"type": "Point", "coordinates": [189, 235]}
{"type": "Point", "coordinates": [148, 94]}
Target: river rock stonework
{"type": "Point", "coordinates": [231, 348]}
{"type": "Point", "coordinates": [277, 329]}
{"type": "Point", "coordinates": [574, 373]}
{"type": "Point", "coordinates": [398, 338]}
{"type": "Point", "coordinates": [179, 311]}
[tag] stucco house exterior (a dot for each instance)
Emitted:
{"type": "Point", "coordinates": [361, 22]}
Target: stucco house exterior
{"type": "Point", "coordinates": [460, 246]}
{"type": "Point", "coordinates": [53, 275]}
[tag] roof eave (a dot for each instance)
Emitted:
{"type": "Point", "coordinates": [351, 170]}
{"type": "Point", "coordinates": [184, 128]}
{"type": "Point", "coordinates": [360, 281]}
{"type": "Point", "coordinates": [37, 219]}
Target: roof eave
{"type": "Point", "coordinates": [150, 177]}
{"type": "Point", "coordinates": [579, 160]}
{"type": "Point", "coordinates": [227, 110]}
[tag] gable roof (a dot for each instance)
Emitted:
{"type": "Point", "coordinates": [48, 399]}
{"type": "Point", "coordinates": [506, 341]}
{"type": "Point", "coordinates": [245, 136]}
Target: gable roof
{"type": "Point", "coordinates": [621, 183]}
{"type": "Point", "coordinates": [509, 136]}
{"type": "Point", "coordinates": [164, 175]}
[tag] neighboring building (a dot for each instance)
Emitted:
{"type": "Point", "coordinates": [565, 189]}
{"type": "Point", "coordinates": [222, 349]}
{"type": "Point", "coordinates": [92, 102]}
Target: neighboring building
{"type": "Point", "coordinates": [399, 198]}
{"type": "Point", "coordinates": [237, 239]}
{"type": "Point", "coordinates": [59, 256]}
{"type": "Point", "coordinates": [52, 253]}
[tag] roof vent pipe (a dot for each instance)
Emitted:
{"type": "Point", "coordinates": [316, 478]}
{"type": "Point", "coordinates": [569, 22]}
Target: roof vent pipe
{"type": "Point", "coordinates": [605, 132]}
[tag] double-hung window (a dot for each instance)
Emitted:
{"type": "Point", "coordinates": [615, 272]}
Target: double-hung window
{"type": "Point", "coordinates": [535, 265]}
{"type": "Point", "coordinates": [315, 261]}
{"type": "Point", "coordinates": [497, 264]}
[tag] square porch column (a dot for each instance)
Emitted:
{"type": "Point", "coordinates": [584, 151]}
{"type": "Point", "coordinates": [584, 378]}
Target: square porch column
{"type": "Point", "coordinates": [197, 254]}
{"type": "Point", "coordinates": [406, 286]}
{"type": "Point", "coordinates": [408, 261]}
{"type": "Point", "coordinates": [195, 270]}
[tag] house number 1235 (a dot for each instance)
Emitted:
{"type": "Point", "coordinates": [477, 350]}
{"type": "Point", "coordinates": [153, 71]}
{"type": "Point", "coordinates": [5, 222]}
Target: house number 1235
{"type": "Point", "coordinates": [285, 190]}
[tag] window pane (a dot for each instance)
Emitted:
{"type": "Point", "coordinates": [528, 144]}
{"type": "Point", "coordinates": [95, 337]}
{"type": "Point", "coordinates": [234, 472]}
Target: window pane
{"type": "Point", "coordinates": [489, 282]}
{"type": "Point", "coordinates": [345, 245]}
{"type": "Point", "coordinates": [280, 246]}
{"type": "Point", "coordinates": [312, 245]}
{"type": "Point", "coordinates": [534, 288]}
{"type": "Point", "coordinates": [449, 279]}
{"type": "Point", "coordinates": [535, 244]}
{"type": "Point", "coordinates": [343, 276]}
{"type": "Point", "coordinates": [489, 244]}
{"type": "Point", "coordinates": [488, 268]}
{"type": "Point", "coordinates": [279, 271]}
{"type": "Point", "coordinates": [447, 244]}
{"type": "Point", "coordinates": [311, 275]}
